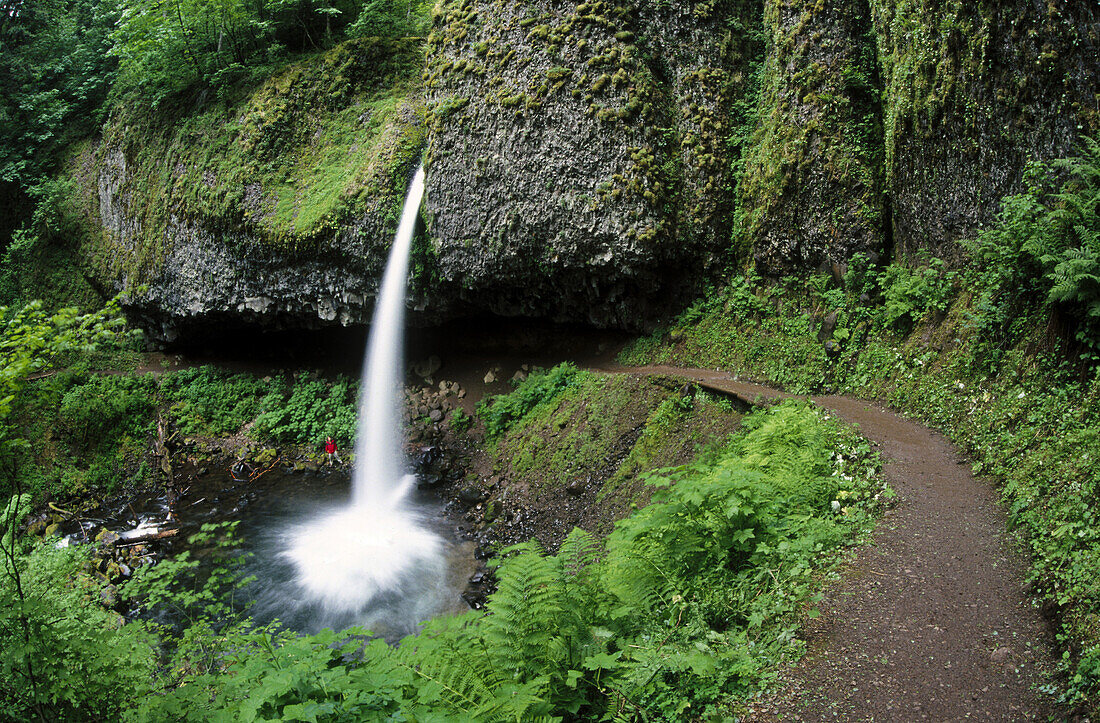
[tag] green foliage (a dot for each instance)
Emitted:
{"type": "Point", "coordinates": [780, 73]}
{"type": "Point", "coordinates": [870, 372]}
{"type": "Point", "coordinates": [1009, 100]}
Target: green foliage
{"type": "Point", "coordinates": [210, 402]}
{"type": "Point", "coordinates": [102, 408]}
{"type": "Point", "coordinates": [688, 603]}
{"type": "Point", "coordinates": [31, 340]}
{"type": "Point", "coordinates": [56, 74]}
{"type": "Point", "coordinates": [503, 410]}
{"type": "Point", "coordinates": [1045, 247]}
{"type": "Point", "coordinates": [909, 294]}
{"type": "Point", "coordinates": [164, 49]}
{"type": "Point", "coordinates": [312, 410]}
{"type": "Point", "coordinates": [391, 18]}
{"type": "Point", "coordinates": [460, 421]}
{"type": "Point", "coordinates": [63, 656]}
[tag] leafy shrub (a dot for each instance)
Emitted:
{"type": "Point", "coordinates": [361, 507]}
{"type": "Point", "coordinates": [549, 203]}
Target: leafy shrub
{"type": "Point", "coordinates": [741, 296]}
{"type": "Point", "coordinates": [63, 656]}
{"type": "Point", "coordinates": [910, 293]}
{"type": "Point", "coordinates": [500, 412]}
{"type": "Point", "coordinates": [94, 414]}
{"type": "Point", "coordinates": [313, 411]}
{"type": "Point", "coordinates": [460, 421]}
{"type": "Point", "coordinates": [1045, 245]}
{"type": "Point", "coordinates": [391, 18]}
{"type": "Point", "coordinates": [208, 401]}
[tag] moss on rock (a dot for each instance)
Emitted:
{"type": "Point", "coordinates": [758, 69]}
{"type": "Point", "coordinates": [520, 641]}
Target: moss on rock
{"type": "Point", "coordinates": [285, 199]}
{"type": "Point", "coordinates": [812, 190]}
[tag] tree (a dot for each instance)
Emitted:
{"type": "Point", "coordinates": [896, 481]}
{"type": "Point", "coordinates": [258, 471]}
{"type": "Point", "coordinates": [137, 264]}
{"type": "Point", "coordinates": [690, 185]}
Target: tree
{"type": "Point", "coordinates": [55, 73]}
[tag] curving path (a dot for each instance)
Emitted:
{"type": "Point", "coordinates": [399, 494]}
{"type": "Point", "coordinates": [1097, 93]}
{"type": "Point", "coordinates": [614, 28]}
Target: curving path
{"type": "Point", "coordinates": [932, 620]}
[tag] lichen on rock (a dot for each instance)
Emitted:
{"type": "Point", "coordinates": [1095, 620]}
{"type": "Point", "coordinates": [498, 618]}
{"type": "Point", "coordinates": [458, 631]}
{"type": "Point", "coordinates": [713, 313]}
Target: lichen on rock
{"type": "Point", "coordinates": [973, 91]}
{"type": "Point", "coordinates": [812, 191]}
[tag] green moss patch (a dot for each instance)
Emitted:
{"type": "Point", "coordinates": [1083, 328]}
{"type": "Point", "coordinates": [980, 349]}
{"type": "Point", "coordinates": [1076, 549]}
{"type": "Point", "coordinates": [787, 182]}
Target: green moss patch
{"type": "Point", "coordinates": [604, 433]}
{"type": "Point", "coordinates": [295, 160]}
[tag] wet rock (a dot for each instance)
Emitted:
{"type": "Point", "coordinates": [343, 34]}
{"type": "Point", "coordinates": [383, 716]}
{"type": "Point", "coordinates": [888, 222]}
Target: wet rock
{"type": "Point", "coordinates": [38, 527]}
{"type": "Point", "coordinates": [471, 495]}
{"type": "Point", "coordinates": [490, 377]}
{"type": "Point", "coordinates": [265, 456]}
{"type": "Point", "coordinates": [828, 326]}
{"type": "Point", "coordinates": [108, 596]}
{"type": "Point", "coordinates": [51, 529]}
{"type": "Point", "coordinates": [107, 537]}
{"type": "Point", "coordinates": [436, 415]}
{"type": "Point", "coordinates": [519, 376]}
{"type": "Point", "coordinates": [474, 598]}
{"type": "Point", "coordinates": [428, 480]}
{"type": "Point", "coordinates": [427, 367]}
{"type": "Point", "coordinates": [832, 348]}
{"type": "Point", "coordinates": [428, 456]}
{"type": "Point", "coordinates": [575, 487]}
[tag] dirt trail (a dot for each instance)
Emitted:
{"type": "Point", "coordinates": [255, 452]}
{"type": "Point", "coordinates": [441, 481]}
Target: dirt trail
{"type": "Point", "coordinates": [932, 620]}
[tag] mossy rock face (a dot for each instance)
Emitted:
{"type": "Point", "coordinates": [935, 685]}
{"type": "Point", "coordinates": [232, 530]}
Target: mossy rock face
{"type": "Point", "coordinates": [276, 208]}
{"type": "Point", "coordinates": [581, 458]}
{"type": "Point", "coordinates": [973, 90]}
{"type": "Point", "coordinates": [812, 190]}
{"type": "Point", "coordinates": [577, 164]}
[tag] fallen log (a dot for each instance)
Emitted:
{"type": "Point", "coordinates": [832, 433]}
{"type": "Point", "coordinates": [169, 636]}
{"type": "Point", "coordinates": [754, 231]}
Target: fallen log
{"type": "Point", "coordinates": [147, 537]}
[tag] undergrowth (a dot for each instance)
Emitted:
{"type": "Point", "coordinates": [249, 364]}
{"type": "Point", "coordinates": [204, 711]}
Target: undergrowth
{"type": "Point", "coordinates": [687, 607]}
{"type": "Point", "coordinates": [91, 427]}
{"type": "Point", "coordinates": [984, 365]}
{"type": "Point", "coordinates": [597, 438]}
{"type": "Point", "coordinates": [503, 410]}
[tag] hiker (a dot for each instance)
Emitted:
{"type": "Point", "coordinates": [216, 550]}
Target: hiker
{"type": "Point", "coordinates": [330, 450]}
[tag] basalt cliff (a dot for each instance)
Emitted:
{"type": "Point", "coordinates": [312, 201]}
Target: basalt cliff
{"type": "Point", "coordinates": [597, 162]}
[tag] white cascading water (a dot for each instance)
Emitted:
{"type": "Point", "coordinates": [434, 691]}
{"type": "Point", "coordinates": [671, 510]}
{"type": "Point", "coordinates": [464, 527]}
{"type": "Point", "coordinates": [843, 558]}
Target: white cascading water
{"type": "Point", "coordinates": [345, 559]}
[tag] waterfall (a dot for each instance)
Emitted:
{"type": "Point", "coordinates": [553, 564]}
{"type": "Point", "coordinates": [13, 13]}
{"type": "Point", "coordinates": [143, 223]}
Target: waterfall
{"type": "Point", "coordinates": [376, 545]}
{"type": "Point", "coordinates": [379, 466]}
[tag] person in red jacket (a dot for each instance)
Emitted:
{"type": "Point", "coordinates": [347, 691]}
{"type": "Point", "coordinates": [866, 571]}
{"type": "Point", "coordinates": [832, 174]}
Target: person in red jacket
{"type": "Point", "coordinates": [330, 450]}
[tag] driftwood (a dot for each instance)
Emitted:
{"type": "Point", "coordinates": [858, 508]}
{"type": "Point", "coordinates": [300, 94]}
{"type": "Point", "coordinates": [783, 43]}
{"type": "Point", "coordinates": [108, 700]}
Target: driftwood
{"type": "Point", "coordinates": [147, 537]}
{"type": "Point", "coordinates": [55, 508]}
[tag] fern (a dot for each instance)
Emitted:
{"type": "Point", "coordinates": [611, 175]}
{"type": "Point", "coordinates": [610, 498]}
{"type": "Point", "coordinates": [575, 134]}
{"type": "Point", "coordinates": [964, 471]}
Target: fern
{"type": "Point", "coordinates": [671, 615]}
{"type": "Point", "coordinates": [1046, 245]}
